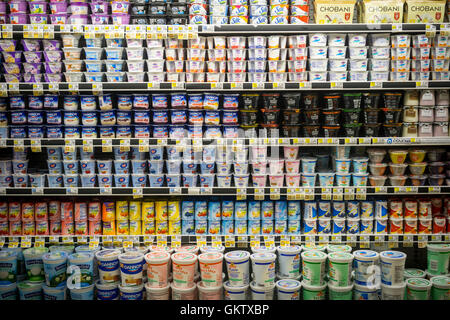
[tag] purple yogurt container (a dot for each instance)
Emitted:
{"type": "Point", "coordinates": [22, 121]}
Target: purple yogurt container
{"type": "Point", "coordinates": [120, 19]}
{"type": "Point", "coordinates": [58, 7]}
{"type": "Point", "coordinates": [100, 19]}
{"type": "Point", "coordinates": [79, 8]}
{"type": "Point", "coordinates": [57, 77]}
{"type": "Point", "coordinates": [18, 6]}
{"type": "Point", "coordinates": [59, 18]}
{"type": "Point", "coordinates": [37, 7]}
{"type": "Point", "coordinates": [53, 56]}
{"type": "Point", "coordinates": [3, 18]}
{"type": "Point", "coordinates": [33, 68]}
{"type": "Point", "coordinates": [12, 57]}
{"type": "Point", "coordinates": [2, 7]}
{"type": "Point", "coordinates": [99, 7]}
{"type": "Point", "coordinates": [32, 78]}
{"type": "Point", "coordinates": [53, 67]}
{"type": "Point", "coordinates": [18, 18]}
{"type": "Point", "coordinates": [38, 18]}
{"type": "Point", "coordinates": [33, 57]}
{"type": "Point", "coordinates": [78, 19]}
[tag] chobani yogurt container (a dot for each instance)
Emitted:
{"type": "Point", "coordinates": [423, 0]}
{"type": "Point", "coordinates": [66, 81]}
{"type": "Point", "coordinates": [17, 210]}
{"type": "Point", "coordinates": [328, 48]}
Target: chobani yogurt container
{"type": "Point", "coordinates": [183, 269]}
{"type": "Point", "coordinates": [55, 265]}
{"type": "Point", "coordinates": [108, 265]}
{"type": "Point", "coordinates": [313, 267]}
{"type": "Point", "coordinates": [54, 293]}
{"type": "Point", "coordinates": [131, 266]}
{"type": "Point", "coordinates": [438, 256]}
{"type": "Point", "coordinates": [107, 291]}
{"type": "Point", "coordinates": [440, 289]}
{"type": "Point", "coordinates": [418, 289]}
{"type": "Point", "coordinates": [30, 290]}
{"type": "Point", "coordinates": [263, 266]}
{"type": "Point", "coordinates": [340, 268]}
{"type": "Point", "coordinates": [238, 268]}
{"type": "Point", "coordinates": [289, 261]}
{"type": "Point", "coordinates": [288, 289]}
{"type": "Point", "coordinates": [364, 266]}
{"type": "Point", "coordinates": [34, 264]}
{"type": "Point", "coordinates": [414, 273]}
{"type": "Point", "coordinates": [157, 269]}
{"type": "Point", "coordinates": [211, 268]}
{"type": "Point", "coordinates": [85, 262]}
{"type": "Point", "coordinates": [8, 267]}
{"type": "Point", "coordinates": [392, 267]}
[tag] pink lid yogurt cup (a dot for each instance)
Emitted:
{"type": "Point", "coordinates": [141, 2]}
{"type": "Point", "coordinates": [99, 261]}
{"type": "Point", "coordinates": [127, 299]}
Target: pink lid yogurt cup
{"type": "Point", "coordinates": [183, 269]}
{"type": "Point", "coordinates": [211, 264]}
{"type": "Point", "coordinates": [158, 268]}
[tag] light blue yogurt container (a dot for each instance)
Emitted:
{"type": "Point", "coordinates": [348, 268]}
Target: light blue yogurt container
{"type": "Point", "coordinates": [55, 265]}
{"type": "Point", "coordinates": [360, 164]}
{"type": "Point", "coordinates": [30, 290]}
{"type": "Point", "coordinates": [54, 293]}
{"type": "Point", "coordinates": [8, 267]}
{"type": "Point", "coordinates": [326, 179]}
{"type": "Point", "coordinates": [8, 291]}
{"type": "Point", "coordinates": [309, 164]}
{"type": "Point", "coordinates": [83, 293]}
{"type": "Point", "coordinates": [107, 291]}
{"type": "Point", "coordinates": [85, 262]}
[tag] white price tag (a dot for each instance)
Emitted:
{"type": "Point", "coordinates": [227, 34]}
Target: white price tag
{"type": "Point", "coordinates": [254, 242]}
{"type": "Point", "coordinates": [36, 145]}
{"type": "Point", "coordinates": [88, 145]}
{"type": "Point", "coordinates": [241, 194]}
{"type": "Point", "coordinates": [237, 85]}
{"type": "Point", "coordinates": [124, 145]}
{"type": "Point", "coordinates": [397, 27]}
{"type": "Point", "coordinates": [26, 242]}
{"type": "Point", "coordinates": [216, 241]}
{"type": "Point", "coordinates": [230, 242]}
{"type": "Point", "coordinates": [175, 242]}
{"type": "Point", "coordinates": [106, 145]}
{"type": "Point", "coordinates": [275, 193]}
{"type": "Point", "coordinates": [201, 241]}
{"type": "Point", "coordinates": [105, 190]}
{"type": "Point", "coordinates": [72, 190]}
{"type": "Point", "coordinates": [82, 240]}
{"type": "Point", "coordinates": [257, 85]}
{"type": "Point", "coordinates": [2, 242]}
{"type": "Point", "coordinates": [148, 240]}
{"type": "Point", "coordinates": [279, 85]}
{"type": "Point", "coordinates": [39, 242]}
{"type": "Point", "coordinates": [137, 193]}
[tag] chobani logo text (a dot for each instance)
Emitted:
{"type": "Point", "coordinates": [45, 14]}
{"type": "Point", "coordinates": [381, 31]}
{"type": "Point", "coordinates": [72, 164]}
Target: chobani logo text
{"type": "Point", "coordinates": [425, 8]}
{"type": "Point", "coordinates": [335, 9]}
{"type": "Point", "coordinates": [383, 9]}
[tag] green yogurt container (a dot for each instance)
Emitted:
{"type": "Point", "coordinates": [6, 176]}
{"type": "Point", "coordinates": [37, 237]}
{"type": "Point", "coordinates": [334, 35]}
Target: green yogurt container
{"type": "Point", "coordinates": [418, 289]}
{"type": "Point", "coordinates": [313, 292]}
{"type": "Point", "coordinates": [313, 267]}
{"type": "Point", "coordinates": [438, 256]}
{"type": "Point", "coordinates": [440, 289]}
{"type": "Point", "coordinates": [414, 273]}
{"type": "Point", "coordinates": [339, 247]}
{"type": "Point", "coordinates": [340, 293]}
{"type": "Point", "coordinates": [340, 268]}
{"type": "Point", "coordinates": [34, 264]}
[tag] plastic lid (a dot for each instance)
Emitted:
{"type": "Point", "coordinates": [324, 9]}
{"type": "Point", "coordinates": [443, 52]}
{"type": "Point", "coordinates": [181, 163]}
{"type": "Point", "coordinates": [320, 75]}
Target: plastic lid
{"type": "Point", "coordinates": [288, 285]}
{"type": "Point", "coordinates": [159, 257]}
{"type": "Point", "coordinates": [81, 256]}
{"type": "Point", "coordinates": [184, 258]}
{"type": "Point", "coordinates": [290, 249]}
{"type": "Point", "coordinates": [360, 159]}
{"type": "Point", "coordinates": [156, 248]}
{"type": "Point", "coordinates": [365, 288]}
{"type": "Point", "coordinates": [441, 282]}
{"type": "Point", "coordinates": [255, 287]}
{"type": "Point", "coordinates": [131, 257]}
{"type": "Point", "coordinates": [210, 257]}
{"type": "Point", "coordinates": [191, 249]}
{"type": "Point", "coordinates": [314, 255]}
{"type": "Point", "coordinates": [194, 286]}
{"type": "Point", "coordinates": [55, 255]}
{"type": "Point", "coordinates": [280, 277]}
{"type": "Point", "coordinates": [263, 257]}
{"type": "Point", "coordinates": [340, 256]}
{"type": "Point", "coordinates": [155, 289]}
{"type": "Point", "coordinates": [414, 273]}
{"type": "Point", "coordinates": [444, 247]}
{"type": "Point", "coordinates": [86, 248]}
{"type": "Point", "coordinates": [106, 286]}
{"type": "Point", "coordinates": [392, 255]}
{"type": "Point", "coordinates": [237, 256]}
{"type": "Point", "coordinates": [227, 286]}
{"type": "Point", "coordinates": [131, 289]}
{"type": "Point", "coordinates": [264, 249]}
{"type": "Point", "coordinates": [393, 286]}
{"type": "Point", "coordinates": [312, 246]}
{"type": "Point", "coordinates": [29, 285]}
{"type": "Point", "coordinates": [35, 251]}
{"type": "Point", "coordinates": [313, 288]}
{"type": "Point", "coordinates": [366, 255]}
{"type": "Point", "coordinates": [340, 289]}
{"type": "Point", "coordinates": [107, 254]}
{"type": "Point", "coordinates": [418, 283]}
{"type": "Point", "coordinates": [201, 286]}
{"type": "Point", "coordinates": [220, 249]}
{"type": "Point", "coordinates": [339, 247]}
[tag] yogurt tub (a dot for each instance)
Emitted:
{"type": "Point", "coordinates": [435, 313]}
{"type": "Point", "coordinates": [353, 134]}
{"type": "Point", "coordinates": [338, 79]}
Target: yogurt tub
{"type": "Point", "coordinates": [364, 266]}
{"type": "Point", "coordinates": [107, 291]}
{"type": "Point", "coordinates": [397, 169]}
{"type": "Point", "coordinates": [365, 293]}
{"type": "Point", "coordinates": [155, 293]}
{"type": "Point", "coordinates": [377, 181]}
{"type": "Point", "coordinates": [85, 262]}
{"type": "Point", "coordinates": [54, 293]}
{"type": "Point", "coordinates": [392, 267]}
{"type": "Point", "coordinates": [313, 292]}
{"type": "Point", "coordinates": [263, 266]}
{"type": "Point", "coordinates": [262, 292]}
{"type": "Point", "coordinates": [209, 293]}
{"type": "Point", "coordinates": [440, 289]}
{"type": "Point", "coordinates": [342, 165]}
{"type": "Point", "coordinates": [30, 290]}
{"type": "Point", "coordinates": [189, 293]}
{"type": "Point", "coordinates": [438, 256]}
{"type": "Point", "coordinates": [376, 155]}
{"type": "Point", "coordinates": [414, 273]}
{"type": "Point", "coordinates": [359, 180]}
{"type": "Point", "coordinates": [131, 265]}
{"type": "Point", "coordinates": [238, 268]}
{"type": "Point", "coordinates": [34, 264]}
{"type": "Point", "coordinates": [398, 156]}
{"type": "Point", "coordinates": [183, 269]}
{"type": "Point", "coordinates": [84, 293]}
{"type": "Point", "coordinates": [326, 179]}
{"type": "Point", "coordinates": [360, 164]}
{"type": "Point", "coordinates": [418, 289]}
{"type": "Point", "coordinates": [397, 180]}
{"type": "Point", "coordinates": [108, 265]}
{"type": "Point", "coordinates": [289, 261]}
{"type": "Point", "coordinates": [313, 267]}
{"type": "Point", "coordinates": [288, 289]}
{"type": "Point", "coordinates": [8, 267]}
{"type": "Point", "coordinates": [131, 293]}
{"type": "Point", "coordinates": [55, 264]}
{"type": "Point", "coordinates": [235, 292]}
{"type": "Point", "coordinates": [393, 292]}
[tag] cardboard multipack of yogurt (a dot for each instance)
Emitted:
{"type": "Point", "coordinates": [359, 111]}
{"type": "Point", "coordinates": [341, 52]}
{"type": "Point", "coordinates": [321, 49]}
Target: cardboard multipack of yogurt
{"type": "Point", "coordinates": [373, 11]}
{"type": "Point", "coordinates": [334, 12]}
{"type": "Point", "coordinates": [424, 11]}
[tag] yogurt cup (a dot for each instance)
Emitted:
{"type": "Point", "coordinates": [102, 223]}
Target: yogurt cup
{"type": "Point", "coordinates": [131, 266]}
{"type": "Point", "coordinates": [131, 293]}
{"type": "Point", "coordinates": [414, 273]}
{"type": "Point", "coordinates": [34, 264]}
{"type": "Point", "coordinates": [235, 292]}
{"type": "Point", "coordinates": [209, 293]}
{"type": "Point", "coordinates": [393, 292]}
{"type": "Point", "coordinates": [157, 269]}
{"type": "Point", "coordinates": [438, 256]}
{"type": "Point", "coordinates": [440, 289]}
{"type": "Point", "coordinates": [85, 262]}
{"type": "Point", "coordinates": [183, 269]}
{"type": "Point", "coordinates": [262, 292]}
{"type": "Point", "coordinates": [313, 292]}
{"type": "Point", "coordinates": [263, 266]}
{"type": "Point", "coordinates": [189, 293]}
{"type": "Point", "coordinates": [55, 265]}
{"type": "Point", "coordinates": [30, 290]}
{"type": "Point", "coordinates": [313, 267]}
{"type": "Point", "coordinates": [154, 293]}
{"type": "Point", "coordinates": [418, 289]}
{"type": "Point", "coordinates": [340, 268]}
{"type": "Point", "coordinates": [108, 265]}
{"type": "Point", "coordinates": [107, 291]}
{"type": "Point", "coordinates": [308, 165]}
{"type": "Point", "coordinates": [364, 266]}
{"type": "Point", "coordinates": [289, 261]}
{"type": "Point", "coordinates": [288, 289]}
{"type": "Point", "coordinates": [8, 268]}
{"type": "Point", "coordinates": [54, 293]}
{"type": "Point", "coordinates": [392, 267]}
{"type": "Point", "coordinates": [365, 293]}
{"type": "Point", "coordinates": [238, 268]}
{"type": "Point", "coordinates": [84, 293]}
{"type": "Point", "coordinates": [340, 293]}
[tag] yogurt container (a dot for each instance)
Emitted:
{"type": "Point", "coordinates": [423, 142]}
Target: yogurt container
{"type": "Point", "coordinates": [131, 266]}
{"type": "Point", "coordinates": [55, 265]}
{"type": "Point", "coordinates": [235, 292]}
{"type": "Point", "coordinates": [263, 266]}
{"type": "Point", "coordinates": [107, 291]}
{"type": "Point", "coordinates": [440, 289]}
{"type": "Point", "coordinates": [157, 269]}
{"type": "Point", "coordinates": [8, 267]}
{"type": "Point", "coordinates": [108, 265]}
{"type": "Point", "coordinates": [189, 293]}
{"type": "Point", "coordinates": [54, 293]}
{"type": "Point", "coordinates": [30, 290]}
{"type": "Point", "coordinates": [262, 292]}
{"type": "Point", "coordinates": [365, 293]}
{"type": "Point", "coordinates": [438, 256]}
{"type": "Point", "coordinates": [131, 293]}
{"type": "Point", "coordinates": [288, 289]}
{"type": "Point", "coordinates": [34, 264]}
{"type": "Point", "coordinates": [183, 269]}
{"type": "Point", "coordinates": [311, 292]}
{"type": "Point", "coordinates": [418, 289]}
{"type": "Point", "coordinates": [340, 293]}
{"type": "Point", "coordinates": [313, 267]}
{"type": "Point", "coordinates": [340, 268]}
{"type": "Point", "coordinates": [289, 261]}
{"type": "Point", "coordinates": [85, 262]}
{"type": "Point", "coordinates": [392, 267]}
{"type": "Point", "coordinates": [238, 268]}
{"type": "Point", "coordinates": [83, 293]}
{"type": "Point", "coordinates": [364, 265]}
{"type": "Point", "coordinates": [393, 292]}
{"type": "Point", "coordinates": [209, 293]}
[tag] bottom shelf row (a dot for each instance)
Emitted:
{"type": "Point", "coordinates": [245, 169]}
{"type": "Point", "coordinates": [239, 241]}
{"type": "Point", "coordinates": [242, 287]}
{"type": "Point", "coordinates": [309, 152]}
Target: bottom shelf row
{"type": "Point", "coordinates": [331, 272]}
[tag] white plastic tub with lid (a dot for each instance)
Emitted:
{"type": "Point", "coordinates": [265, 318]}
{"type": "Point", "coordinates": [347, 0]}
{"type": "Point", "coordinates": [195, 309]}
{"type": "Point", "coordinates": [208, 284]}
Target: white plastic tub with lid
{"type": "Point", "coordinates": [131, 293]}
{"type": "Point", "coordinates": [289, 261]}
{"type": "Point", "coordinates": [313, 267]}
{"type": "Point", "coordinates": [394, 292]}
{"type": "Point", "coordinates": [156, 248]}
{"type": "Point", "coordinates": [131, 264]}
{"type": "Point", "coordinates": [340, 268]}
{"type": "Point", "coordinates": [313, 292]}
{"type": "Point", "coordinates": [83, 293]}
{"type": "Point", "coordinates": [157, 293]}
{"type": "Point", "coordinates": [312, 246]}
{"type": "Point", "coordinates": [438, 256]}
{"type": "Point", "coordinates": [440, 289]}
{"type": "Point", "coordinates": [418, 289]}
{"type": "Point", "coordinates": [190, 249]}
{"type": "Point", "coordinates": [392, 267]}
{"type": "Point", "coordinates": [183, 269]}
{"type": "Point", "coordinates": [34, 264]}
{"type": "Point", "coordinates": [364, 264]}
{"type": "Point", "coordinates": [238, 263]}
{"type": "Point", "coordinates": [263, 265]}
{"type": "Point", "coordinates": [339, 247]}
{"type": "Point", "coordinates": [264, 249]}
{"type": "Point", "coordinates": [220, 249]}
{"type": "Point", "coordinates": [211, 268]}
{"type": "Point", "coordinates": [206, 292]}
{"type": "Point", "coordinates": [261, 292]}
{"type": "Point", "coordinates": [414, 273]}
{"type": "Point", "coordinates": [188, 293]}
{"type": "Point", "coordinates": [107, 291]}
{"type": "Point", "coordinates": [108, 265]}
{"type": "Point", "coordinates": [158, 268]}
{"type": "Point", "coordinates": [365, 293]}
{"type": "Point", "coordinates": [340, 293]}
{"type": "Point", "coordinates": [235, 292]}
{"type": "Point", "coordinates": [288, 289]}
{"type": "Point", "coordinates": [85, 261]}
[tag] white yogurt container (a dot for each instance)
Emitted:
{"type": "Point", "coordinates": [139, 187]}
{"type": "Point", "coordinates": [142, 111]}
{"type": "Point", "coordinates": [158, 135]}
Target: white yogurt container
{"type": "Point", "coordinates": [262, 292]}
{"type": "Point", "coordinates": [206, 292]}
{"type": "Point", "coordinates": [365, 293]}
{"type": "Point", "coordinates": [211, 268]}
{"type": "Point", "coordinates": [337, 52]}
{"type": "Point", "coordinates": [392, 267]}
{"type": "Point", "coordinates": [131, 264]}
{"type": "Point", "coordinates": [337, 39]}
{"type": "Point", "coordinates": [358, 52]}
{"type": "Point", "coordinates": [288, 289]}
{"type": "Point", "coordinates": [289, 261]}
{"type": "Point", "coordinates": [339, 64]}
{"type": "Point", "coordinates": [183, 269]}
{"type": "Point", "coordinates": [188, 293]}
{"type": "Point", "coordinates": [394, 292]}
{"type": "Point", "coordinates": [238, 268]}
{"type": "Point", "coordinates": [318, 65]}
{"type": "Point", "coordinates": [154, 293]}
{"type": "Point", "coordinates": [34, 264]}
{"type": "Point", "coordinates": [232, 292]}
{"type": "Point", "coordinates": [364, 264]}
{"type": "Point", "coordinates": [157, 269]}
{"type": "Point", "coordinates": [108, 265]}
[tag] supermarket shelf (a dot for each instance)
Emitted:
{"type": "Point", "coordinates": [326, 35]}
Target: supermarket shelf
{"type": "Point", "coordinates": [219, 86]}
{"type": "Point", "coordinates": [125, 142]}
{"type": "Point", "coordinates": [229, 29]}
{"type": "Point", "coordinates": [225, 240]}
{"type": "Point", "coordinates": [296, 193]}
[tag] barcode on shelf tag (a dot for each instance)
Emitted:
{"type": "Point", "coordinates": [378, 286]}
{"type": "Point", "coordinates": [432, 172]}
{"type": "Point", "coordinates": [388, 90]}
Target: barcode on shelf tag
{"type": "Point", "coordinates": [97, 88]}
{"type": "Point", "coordinates": [305, 85]}
{"type": "Point", "coordinates": [53, 87]}
{"type": "Point", "coordinates": [323, 240]}
{"type": "Point", "coordinates": [69, 145]}
{"type": "Point", "coordinates": [254, 242]}
{"type": "Point", "coordinates": [3, 90]}
{"type": "Point", "coordinates": [230, 242]}
{"type": "Point", "coordinates": [397, 27]}
{"type": "Point", "coordinates": [175, 190]}
{"type": "Point", "coordinates": [437, 238]}
{"type": "Point", "coordinates": [72, 190]}
{"type": "Point", "coordinates": [67, 239]}
{"type": "Point", "coordinates": [88, 145]}
{"type": "Point", "coordinates": [364, 140]}
{"type": "Point", "coordinates": [237, 85]}
{"type": "Point", "coordinates": [36, 145]}
{"type": "Point", "coordinates": [258, 85]}
{"type": "Point", "coordinates": [18, 145]}
{"type": "Point", "coordinates": [338, 85]}
{"type": "Point", "coordinates": [422, 84]}
{"type": "Point", "coordinates": [127, 244]}
{"type": "Point", "coordinates": [434, 189]}
{"type": "Point", "coordinates": [275, 193]}
{"type": "Point", "coordinates": [13, 242]}
{"type": "Point", "coordinates": [124, 145]}
{"type": "Point", "coordinates": [143, 145]}
{"type": "Point", "coordinates": [37, 190]}
{"type": "Point", "coordinates": [392, 241]}
{"type": "Point", "coordinates": [430, 30]}
{"type": "Point", "coordinates": [194, 191]}
{"type": "Point", "coordinates": [53, 239]}
{"type": "Point", "coordinates": [422, 241]}
{"type": "Point", "coordinates": [408, 240]}
{"type": "Point", "coordinates": [7, 31]}
{"type": "Point", "coordinates": [38, 89]}
{"type": "Point", "coordinates": [376, 85]}
{"type": "Point", "coordinates": [241, 194]}
{"type": "Point", "coordinates": [278, 85]}
{"type": "Point", "coordinates": [364, 242]}
{"type": "Point", "coordinates": [201, 241]}
{"type": "Point", "coordinates": [2, 242]}
{"type": "Point", "coordinates": [73, 87]}
{"type": "Point", "coordinates": [290, 194]}
{"type": "Point", "coordinates": [351, 240]}
{"type": "Point", "coordinates": [106, 190]}
{"type": "Point", "coordinates": [337, 239]}
{"type": "Point", "coordinates": [296, 240]}
{"type": "Point", "coordinates": [380, 189]}
{"type": "Point", "coordinates": [137, 193]}
{"type": "Point", "coordinates": [82, 240]}
{"type": "Point", "coordinates": [148, 240]}
{"type": "Point", "coordinates": [161, 241]}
